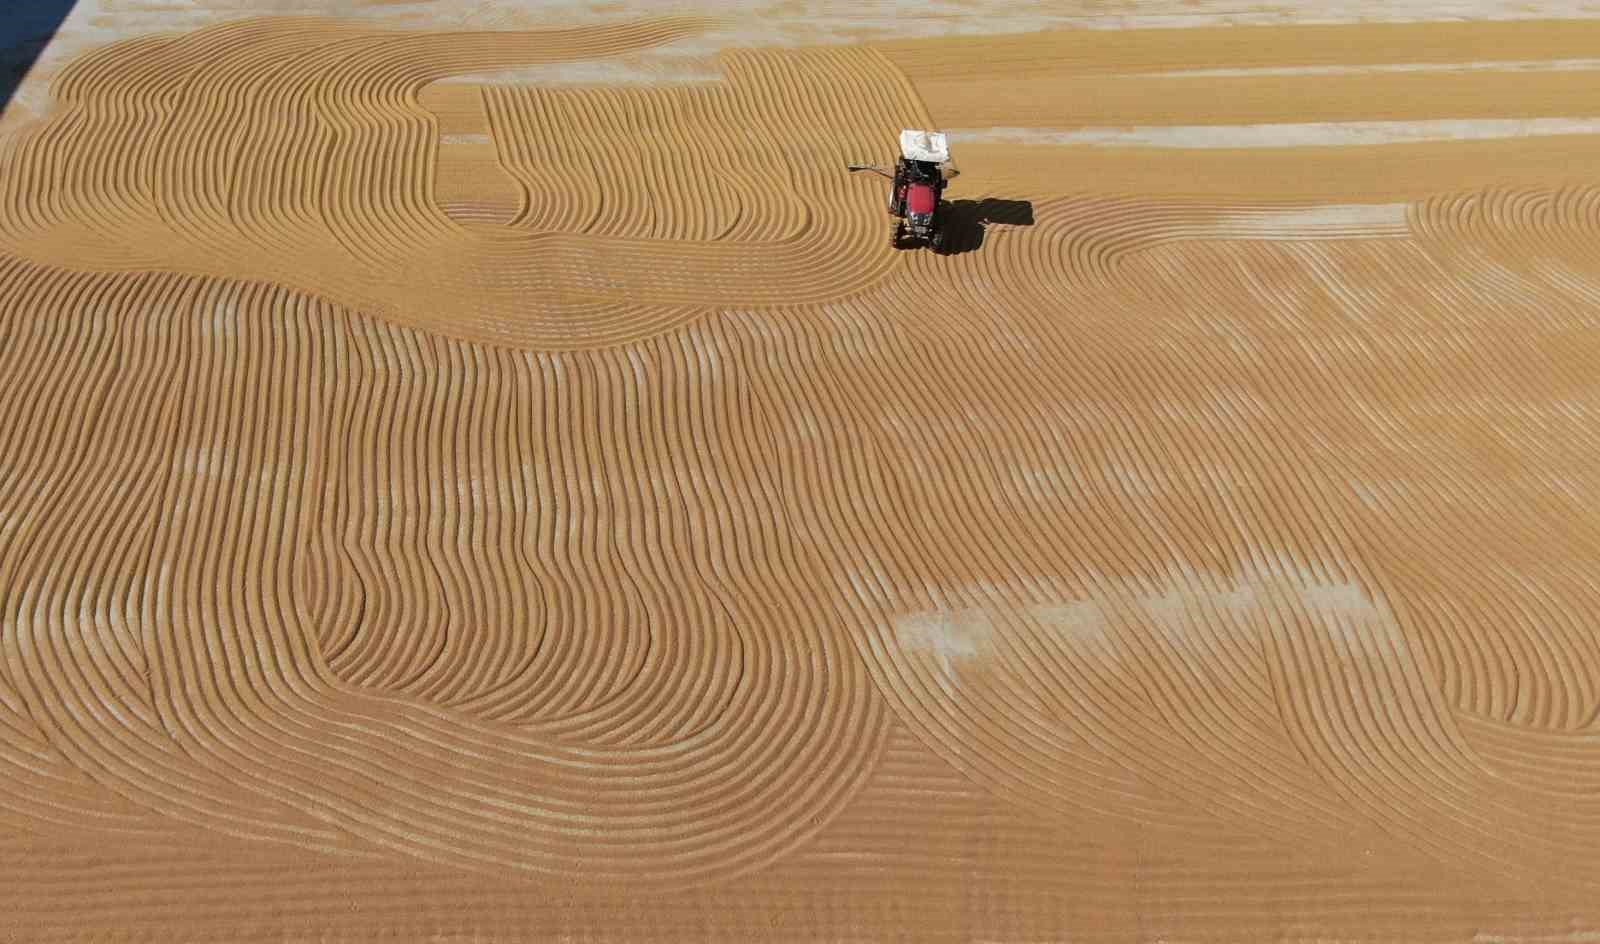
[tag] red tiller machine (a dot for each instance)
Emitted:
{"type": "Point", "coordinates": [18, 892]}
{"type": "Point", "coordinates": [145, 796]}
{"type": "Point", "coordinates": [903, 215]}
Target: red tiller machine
{"type": "Point", "coordinates": [919, 180]}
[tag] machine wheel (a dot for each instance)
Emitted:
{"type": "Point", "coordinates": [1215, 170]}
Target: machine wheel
{"type": "Point", "coordinates": [938, 240]}
{"type": "Point", "coordinates": [896, 235]}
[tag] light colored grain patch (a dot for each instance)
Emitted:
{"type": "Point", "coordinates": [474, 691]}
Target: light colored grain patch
{"type": "Point", "coordinates": [1331, 221]}
{"type": "Point", "coordinates": [1077, 621]}
{"type": "Point", "coordinates": [947, 635]}
{"type": "Point", "coordinates": [1286, 134]}
{"type": "Point", "coordinates": [1344, 599]}
{"type": "Point", "coordinates": [1388, 68]}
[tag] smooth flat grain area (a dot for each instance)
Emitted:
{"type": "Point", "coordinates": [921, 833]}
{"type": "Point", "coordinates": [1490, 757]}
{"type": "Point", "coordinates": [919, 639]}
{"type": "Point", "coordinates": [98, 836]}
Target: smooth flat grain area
{"type": "Point", "coordinates": [495, 482]}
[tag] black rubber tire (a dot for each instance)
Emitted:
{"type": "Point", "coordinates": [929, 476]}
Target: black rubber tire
{"type": "Point", "coordinates": [938, 240]}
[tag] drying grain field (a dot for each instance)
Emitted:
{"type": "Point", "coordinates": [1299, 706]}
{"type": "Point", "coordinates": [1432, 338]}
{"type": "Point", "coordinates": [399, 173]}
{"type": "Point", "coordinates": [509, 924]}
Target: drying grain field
{"type": "Point", "coordinates": [479, 473]}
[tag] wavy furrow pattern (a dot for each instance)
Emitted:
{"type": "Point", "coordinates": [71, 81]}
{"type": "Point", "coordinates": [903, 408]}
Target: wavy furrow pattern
{"type": "Point", "coordinates": [1114, 557]}
{"type": "Point", "coordinates": [337, 670]}
{"type": "Point", "coordinates": [640, 207]}
{"type": "Point", "coordinates": [1187, 568]}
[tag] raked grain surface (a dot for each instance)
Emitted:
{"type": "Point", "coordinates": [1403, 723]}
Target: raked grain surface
{"type": "Point", "coordinates": [509, 510]}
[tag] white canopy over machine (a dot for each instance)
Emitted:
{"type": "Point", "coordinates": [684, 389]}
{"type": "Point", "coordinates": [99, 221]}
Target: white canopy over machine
{"type": "Point", "coordinates": [930, 146]}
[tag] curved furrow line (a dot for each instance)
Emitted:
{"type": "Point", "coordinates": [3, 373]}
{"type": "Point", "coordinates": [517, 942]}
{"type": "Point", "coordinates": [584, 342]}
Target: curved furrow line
{"type": "Point", "coordinates": [973, 746]}
{"type": "Point", "coordinates": [698, 690]}
{"type": "Point", "coordinates": [397, 571]}
{"type": "Point", "coordinates": [210, 710]}
{"type": "Point", "coordinates": [1343, 301]}
{"type": "Point", "coordinates": [960, 543]}
{"type": "Point", "coordinates": [439, 679]}
{"type": "Point", "coordinates": [527, 582]}
{"type": "Point", "coordinates": [1558, 650]}
{"type": "Point", "coordinates": [1085, 239]}
{"type": "Point", "coordinates": [366, 434]}
{"type": "Point", "coordinates": [558, 179]}
{"type": "Point", "coordinates": [196, 173]}
{"type": "Point", "coordinates": [394, 71]}
{"type": "Point", "coordinates": [914, 507]}
{"type": "Point", "coordinates": [625, 700]}
{"type": "Point", "coordinates": [1194, 518]}
{"type": "Point", "coordinates": [354, 430]}
{"type": "Point", "coordinates": [663, 651]}
{"type": "Point", "coordinates": [1508, 224]}
{"type": "Point", "coordinates": [324, 178]}
{"type": "Point", "coordinates": [1373, 723]}
{"type": "Point", "coordinates": [1464, 562]}
{"type": "Point", "coordinates": [1551, 762]}
{"type": "Point", "coordinates": [92, 371]}
{"type": "Point", "coordinates": [271, 202]}
{"type": "Point", "coordinates": [569, 675]}
{"type": "Point", "coordinates": [626, 211]}
{"type": "Point", "coordinates": [794, 706]}
{"type": "Point", "coordinates": [592, 678]}
{"type": "Point", "coordinates": [1556, 676]}
{"type": "Point", "coordinates": [617, 126]}
{"type": "Point", "coordinates": [673, 677]}
{"type": "Point", "coordinates": [498, 582]}
{"type": "Point", "coordinates": [41, 786]}
{"type": "Point", "coordinates": [134, 111]}
{"type": "Point", "coordinates": [1387, 312]}
{"type": "Point", "coordinates": [543, 680]}
{"type": "Point", "coordinates": [114, 745]}
{"type": "Point", "coordinates": [40, 782]}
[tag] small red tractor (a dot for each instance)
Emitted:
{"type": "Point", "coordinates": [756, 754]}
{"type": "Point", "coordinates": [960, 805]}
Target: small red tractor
{"type": "Point", "coordinates": [919, 180]}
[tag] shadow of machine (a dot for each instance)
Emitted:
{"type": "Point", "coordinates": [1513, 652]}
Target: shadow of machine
{"type": "Point", "coordinates": [964, 221]}
{"type": "Point", "coordinates": [26, 27]}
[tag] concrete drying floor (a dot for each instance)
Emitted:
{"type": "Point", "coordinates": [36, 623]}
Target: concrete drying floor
{"type": "Point", "coordinates": [477, 473]}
